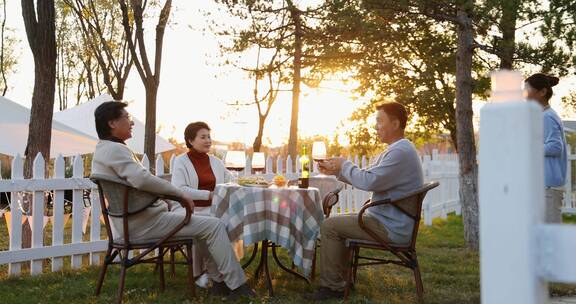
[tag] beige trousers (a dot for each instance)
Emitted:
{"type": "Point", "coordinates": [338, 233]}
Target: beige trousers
{"type": "Point", "coordinates": [202, 259]}
{"type": "Point", "coordinates": [333, 252]}
{"type": "Point", "coordinates": [211, 240]}
{"type": "Point", "coordinates": [554, 199]}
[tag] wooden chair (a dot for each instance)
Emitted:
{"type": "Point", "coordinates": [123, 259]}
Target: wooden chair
{"type": "Point", "coordinates": [409, 204]}
{"type": "Point", "coordinates": [120, 200]}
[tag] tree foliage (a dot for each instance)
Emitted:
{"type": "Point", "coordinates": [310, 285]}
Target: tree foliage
{"type": "Point", "coordinates": [133, 15]}
{"type": "Point", "coordinates": [282, 30]}
{"type": "Point", "coordinates": [93, 55]}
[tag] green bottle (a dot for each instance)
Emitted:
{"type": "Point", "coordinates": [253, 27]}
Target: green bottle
{"type": "Point", "coordinates": [305, 169]}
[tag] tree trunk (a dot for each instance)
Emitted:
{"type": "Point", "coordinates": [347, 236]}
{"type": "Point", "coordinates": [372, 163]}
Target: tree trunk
{"type": "Point", "coordinates": [508, 27]}
{"type": "Point", "coordinates": [453, 136]}
{"type": "Point", "coordinates": [258, 140]}
{"type": "Point", "coordinates": [465, 128]}
{"type": "Point", "coordinates": [41, 34]}
{"type": "Point", "coordinates": [42, 39]}
{"type": "Point", "coordinates": [150, 127]}
{"type": "Point", "coordinates": [293, 139]}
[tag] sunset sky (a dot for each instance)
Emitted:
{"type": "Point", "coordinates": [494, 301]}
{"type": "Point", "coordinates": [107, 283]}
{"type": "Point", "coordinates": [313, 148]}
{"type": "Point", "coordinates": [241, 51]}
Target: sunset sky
{"type": "Point", "coordinates": [194, 87]}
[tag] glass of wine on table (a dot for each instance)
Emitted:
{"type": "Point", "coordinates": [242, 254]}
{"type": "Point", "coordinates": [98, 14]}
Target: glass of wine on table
{"type": "Point", "coordinates": [235, 161]}
{"type": "Point", "coordinates": [258, 162]}
{"type": "Point", "coordinates": [319, 152]}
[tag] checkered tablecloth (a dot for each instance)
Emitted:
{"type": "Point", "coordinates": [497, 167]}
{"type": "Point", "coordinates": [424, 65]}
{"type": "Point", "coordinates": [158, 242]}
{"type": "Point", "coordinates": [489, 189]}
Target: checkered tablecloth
{"type": "Point", "coordinates": [289, 217]}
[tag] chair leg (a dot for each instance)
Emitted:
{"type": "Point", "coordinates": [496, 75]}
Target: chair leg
{"type": "Point", "coordinates": [349, 267]}
{"type": "Point", "coordinates": [124, 258]}
{"type": "Point", "coordinates": [160, 266]}
{"type": "Point", "coordinates": [107, 258]}
{"type": "Point", "coordinates": [355, 264]}
{"type": "Point", "coordinates": [418, 279]}
{"type": "Point", "coordinates": [190, 260]}
{"type": "Point", "coordinates": [172, 262]}
{"type": "Point", "coordinates": [313, 273]}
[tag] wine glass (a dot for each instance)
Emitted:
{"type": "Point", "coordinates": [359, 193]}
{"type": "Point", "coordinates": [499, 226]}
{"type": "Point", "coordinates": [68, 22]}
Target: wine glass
{"type": "Point", "coordinates": [318, 151]}
{"type": "Point", "coordinates": [235, 161]}
{"type": "Point", "coordinates": [258, 162]}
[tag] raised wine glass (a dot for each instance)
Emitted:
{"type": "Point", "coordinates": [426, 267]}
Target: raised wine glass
{"type": "Point", "coordinates": [258, 162]}
{"type": "Point", "coordinates": [318, 151]}
{"type": "Point", "coordinates": [235, 161]}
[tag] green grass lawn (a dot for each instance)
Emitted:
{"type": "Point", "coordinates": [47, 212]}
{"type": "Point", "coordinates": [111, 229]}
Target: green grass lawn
{"type": "Point", "coordinates": [450, 274]}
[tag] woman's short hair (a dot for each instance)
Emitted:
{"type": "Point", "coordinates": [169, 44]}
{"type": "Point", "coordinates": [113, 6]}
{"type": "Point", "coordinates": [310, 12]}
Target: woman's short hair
{"type": "Point", "coordinates": [191, 131]}
{"type": "Point", "coordinates": [395, 110]}
{"type": "Point", "coordinates": [107, 111]}
{"type": "Point", "coordinates": [541, 81]}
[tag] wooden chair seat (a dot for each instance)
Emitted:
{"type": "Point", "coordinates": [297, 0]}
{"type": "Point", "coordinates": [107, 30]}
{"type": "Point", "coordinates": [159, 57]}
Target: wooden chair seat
{"type": "Point", "coordinates": [373, 244]}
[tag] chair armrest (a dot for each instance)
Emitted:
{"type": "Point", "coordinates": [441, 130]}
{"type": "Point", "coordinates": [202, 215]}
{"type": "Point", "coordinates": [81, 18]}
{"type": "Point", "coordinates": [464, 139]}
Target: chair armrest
{"type": "Point", "coordinates": [370, 204]}
{"type": "Point", "coordinates": [184, 204]}
{"type": "Point", "coordinates": [330, 199]}
{"type": "Point", "coordinates": [363, 226]}
{"type": "Point", "coordinates": [167, 236]}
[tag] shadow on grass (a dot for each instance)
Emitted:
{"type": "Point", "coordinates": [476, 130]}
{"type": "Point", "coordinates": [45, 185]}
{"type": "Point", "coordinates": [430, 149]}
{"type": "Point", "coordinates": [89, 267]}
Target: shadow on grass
{"type": "Point", "coordinates": [450, 274]}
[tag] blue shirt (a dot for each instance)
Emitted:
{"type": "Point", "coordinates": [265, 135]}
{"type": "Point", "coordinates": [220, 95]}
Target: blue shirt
{"type": "Point", "coordinates": [555, 152]}
{"type": "Point", "coordinates": [396, 172]}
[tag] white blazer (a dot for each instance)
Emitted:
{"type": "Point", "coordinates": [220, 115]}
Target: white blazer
{"type": "Point", "coordinates": [184, 177]}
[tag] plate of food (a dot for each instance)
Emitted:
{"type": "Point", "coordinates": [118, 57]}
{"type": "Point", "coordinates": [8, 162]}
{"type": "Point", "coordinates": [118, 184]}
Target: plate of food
{"type": "Point", "coordinates": [253, 181]}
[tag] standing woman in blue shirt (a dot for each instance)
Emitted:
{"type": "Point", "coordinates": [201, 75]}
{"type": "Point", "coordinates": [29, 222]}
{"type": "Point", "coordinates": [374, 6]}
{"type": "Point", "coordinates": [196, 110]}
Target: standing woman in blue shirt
{"type": "Point", "coordinates": [539, 88]}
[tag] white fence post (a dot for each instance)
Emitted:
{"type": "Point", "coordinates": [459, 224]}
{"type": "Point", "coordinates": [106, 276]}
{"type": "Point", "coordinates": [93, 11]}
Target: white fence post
{"type": "Point", "coordinates": [248, 166]}
{"type": "Point", "coordinates": [289, 166]}
{"type": "Point", "coordinates": [95, 224]}
{"type": "Point", "coordinates": [511, 184]}
{"type": "Point", "coordinates": [279, 165]}
{"type": "Point", "coordinates": [37, 222]}
{"type": "Point", "coordinates": [77, 210]}
{"type": "Point", "coordinates": [159, 165]}
{"type": "Point", "coordinates": [37, 219]}
{"type": "Point", "coordinates": [58, 214]}
{"type": "Point", "coordinates": [16, 214]}
{"type": "Point", "coordinates": [172, 158]}
{"type": "Point", "coordinates": [270, 165]}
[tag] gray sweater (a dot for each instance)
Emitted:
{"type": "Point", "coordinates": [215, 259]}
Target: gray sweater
{"type": "Point", "coordinates": [396, 172]}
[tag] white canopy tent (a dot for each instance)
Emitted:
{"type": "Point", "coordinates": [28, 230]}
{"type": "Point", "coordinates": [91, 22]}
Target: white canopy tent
{"type": "Point", "coordinates": [81, 117]}
{"type": "Point", "coordinates": [65, 140]}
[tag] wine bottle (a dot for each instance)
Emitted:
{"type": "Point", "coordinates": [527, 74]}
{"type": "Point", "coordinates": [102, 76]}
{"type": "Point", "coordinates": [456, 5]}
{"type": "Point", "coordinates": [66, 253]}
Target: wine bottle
{"type": "Point", "coordinates": [304, 169]}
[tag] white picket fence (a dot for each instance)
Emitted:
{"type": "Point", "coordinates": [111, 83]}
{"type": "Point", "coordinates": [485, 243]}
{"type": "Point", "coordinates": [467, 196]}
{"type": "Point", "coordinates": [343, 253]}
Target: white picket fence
{"type": "Point", "coordinates": [86, 222]}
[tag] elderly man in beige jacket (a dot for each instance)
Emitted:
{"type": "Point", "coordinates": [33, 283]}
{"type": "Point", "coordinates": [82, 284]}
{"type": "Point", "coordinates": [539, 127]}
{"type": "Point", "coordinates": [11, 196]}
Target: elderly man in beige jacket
{"type": "Point", "coordinates": [113, 158]}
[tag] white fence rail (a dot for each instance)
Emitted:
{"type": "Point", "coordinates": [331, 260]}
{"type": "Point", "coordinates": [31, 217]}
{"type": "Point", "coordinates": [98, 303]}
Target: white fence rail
{"type": "Point", "coordinates": [55, 240]}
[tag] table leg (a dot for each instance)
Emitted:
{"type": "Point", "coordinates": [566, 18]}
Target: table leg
{"type": "Point", "coordinates": [286, 268]}
{"type": "Point", "coordinates": [265, 246]}
{"type": "Point", "coordinates": [254, 252]}
{"type": "Point", "coordinates": [263, 269]}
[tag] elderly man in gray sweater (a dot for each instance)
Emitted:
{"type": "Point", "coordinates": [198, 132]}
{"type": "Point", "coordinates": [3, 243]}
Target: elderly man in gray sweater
{"type": "Point", "coordinates": [397, 171]}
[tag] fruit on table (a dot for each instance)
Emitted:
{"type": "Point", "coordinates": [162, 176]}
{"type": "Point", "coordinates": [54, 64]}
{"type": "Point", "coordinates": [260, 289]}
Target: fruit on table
{"type": "Point", "coordinates": [279, 180]}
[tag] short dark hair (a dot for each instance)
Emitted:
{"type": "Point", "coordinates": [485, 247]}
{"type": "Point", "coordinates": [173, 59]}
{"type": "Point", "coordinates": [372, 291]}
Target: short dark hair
{"type": "Point", "coordinates": [107, 111]}
{"type": "Point", "coordinates": [192, 129]}
{"type": "Point", "coordinates": [395, 110]}
{"type": "Point", "coordinates": [541, 81]}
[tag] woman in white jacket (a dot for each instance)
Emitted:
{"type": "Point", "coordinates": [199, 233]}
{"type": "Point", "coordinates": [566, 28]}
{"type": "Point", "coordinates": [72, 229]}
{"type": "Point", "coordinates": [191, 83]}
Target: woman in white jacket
{"type": "Point", "coordinates": [197, 173]}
